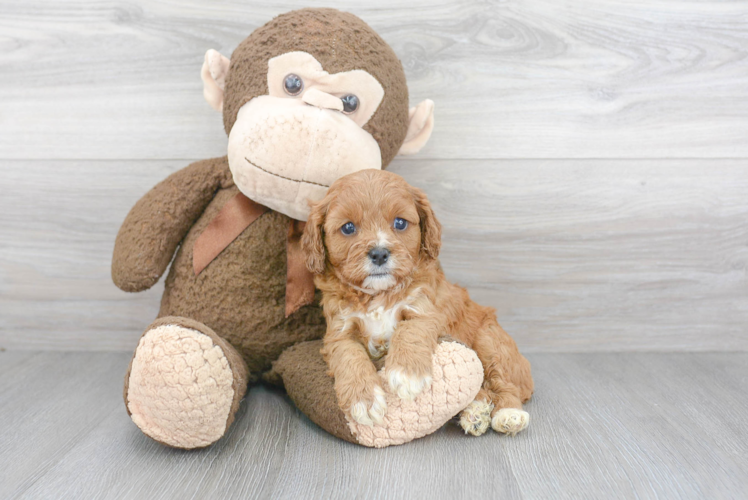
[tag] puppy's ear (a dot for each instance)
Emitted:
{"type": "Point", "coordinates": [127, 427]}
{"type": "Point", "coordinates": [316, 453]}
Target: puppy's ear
{"type": "Point", "coordinates": [312, 241]}
{"type": "Point", "coordinates": [431, 230]}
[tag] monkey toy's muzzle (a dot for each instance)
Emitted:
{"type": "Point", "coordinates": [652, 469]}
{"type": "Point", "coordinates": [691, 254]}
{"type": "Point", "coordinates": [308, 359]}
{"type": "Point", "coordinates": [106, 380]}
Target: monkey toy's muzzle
{"type": "Point", "coordinates": [283, 152]}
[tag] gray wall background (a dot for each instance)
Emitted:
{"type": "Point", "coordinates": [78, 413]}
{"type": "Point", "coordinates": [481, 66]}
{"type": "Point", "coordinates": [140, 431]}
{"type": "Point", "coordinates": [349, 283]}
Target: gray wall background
{"type": "Point", "coordinates": [589, 160]}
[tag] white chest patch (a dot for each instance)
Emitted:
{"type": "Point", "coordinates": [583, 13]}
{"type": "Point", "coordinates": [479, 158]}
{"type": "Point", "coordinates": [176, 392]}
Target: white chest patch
{"type": "Point", "coordinates": [379, 325]}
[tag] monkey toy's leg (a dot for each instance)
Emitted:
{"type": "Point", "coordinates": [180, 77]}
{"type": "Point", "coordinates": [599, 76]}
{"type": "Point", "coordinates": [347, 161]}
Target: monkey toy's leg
{"type": "Point", "coordinates": [457, 378]}
{"type": "Point", "coordinates": [184, 383]}
{"type": "Point", "coordinates": [508, 383]}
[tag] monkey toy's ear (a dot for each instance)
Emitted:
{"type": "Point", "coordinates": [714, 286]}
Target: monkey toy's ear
{"type": "Point", "coordinates": [420, 125]}
{"type": "Point", "coordinates": [215, 69]}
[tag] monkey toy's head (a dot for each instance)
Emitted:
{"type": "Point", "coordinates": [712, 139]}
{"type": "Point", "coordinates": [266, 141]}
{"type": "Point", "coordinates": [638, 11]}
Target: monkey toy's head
{"type": "Point", "coordinates": [311, 96]}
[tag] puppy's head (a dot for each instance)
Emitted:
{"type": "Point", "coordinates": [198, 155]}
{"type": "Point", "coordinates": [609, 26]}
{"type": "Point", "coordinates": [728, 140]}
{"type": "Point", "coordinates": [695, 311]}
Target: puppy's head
{"type": "Point", "coordinates": [373, 229]}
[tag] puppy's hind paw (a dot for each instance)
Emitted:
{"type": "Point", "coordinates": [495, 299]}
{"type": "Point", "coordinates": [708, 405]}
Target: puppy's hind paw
{"type": "Point", "coordinates": [510, 421]}
{"type": "Point", "coordinates": [373, 413]}
{"type": "Point", "coordinates": [406, 386]}
{"type": "Point", "coordinates": [476, 418]}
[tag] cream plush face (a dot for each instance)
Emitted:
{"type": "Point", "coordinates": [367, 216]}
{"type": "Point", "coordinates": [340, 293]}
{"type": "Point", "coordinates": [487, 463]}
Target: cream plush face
{"type": "Point", "coordinates": [287, 145]}
{"type": "Point", "coordinates": [286, 148]}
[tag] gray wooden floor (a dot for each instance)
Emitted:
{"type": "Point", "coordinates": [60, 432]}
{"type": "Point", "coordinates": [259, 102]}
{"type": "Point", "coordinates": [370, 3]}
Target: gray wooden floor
{"type": "Point", "coordinates": [603, 426]}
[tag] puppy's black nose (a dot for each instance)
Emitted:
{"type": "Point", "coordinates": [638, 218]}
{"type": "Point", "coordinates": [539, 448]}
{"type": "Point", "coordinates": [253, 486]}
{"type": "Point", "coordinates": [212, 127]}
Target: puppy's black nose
{"type": "Point", "coordinates": [379, 255]}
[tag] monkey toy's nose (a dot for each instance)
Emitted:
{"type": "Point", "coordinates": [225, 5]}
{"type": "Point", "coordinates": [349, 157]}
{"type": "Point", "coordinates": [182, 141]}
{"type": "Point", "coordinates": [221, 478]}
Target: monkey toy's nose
{"type": "Point", "coordinates": [379, 255]}
{"type": "Point", "coordinates": [322, 100]}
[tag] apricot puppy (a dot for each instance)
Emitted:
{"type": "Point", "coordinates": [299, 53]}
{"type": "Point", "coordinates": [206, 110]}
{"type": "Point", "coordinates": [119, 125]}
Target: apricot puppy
{"type": "Point", "coordinates": [373, 243]}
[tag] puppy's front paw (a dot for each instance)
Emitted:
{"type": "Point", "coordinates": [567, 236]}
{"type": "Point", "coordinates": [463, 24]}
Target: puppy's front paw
{"type": "Point", "coordinates": [405, 385]}
{"type": "Point", "coordinates": [370, 412]}
{"type": "Point", "coordinates": [510, 421]}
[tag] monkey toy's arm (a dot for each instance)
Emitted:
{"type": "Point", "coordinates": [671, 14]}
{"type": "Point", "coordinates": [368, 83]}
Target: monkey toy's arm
{"type": "Point", "coordinates": [160, 220]}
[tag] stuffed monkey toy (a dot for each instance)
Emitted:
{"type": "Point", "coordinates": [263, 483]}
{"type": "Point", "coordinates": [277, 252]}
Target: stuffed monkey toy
{"type": "Point", "coordinates": [307, 98]}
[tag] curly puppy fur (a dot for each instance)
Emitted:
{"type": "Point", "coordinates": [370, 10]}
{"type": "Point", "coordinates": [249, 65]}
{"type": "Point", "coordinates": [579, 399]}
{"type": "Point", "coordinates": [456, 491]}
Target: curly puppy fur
{"type": "Point", "coordinates": [395, 310]}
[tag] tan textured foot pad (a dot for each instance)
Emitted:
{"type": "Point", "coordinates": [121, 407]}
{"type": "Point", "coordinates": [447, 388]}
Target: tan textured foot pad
{"type": "Point", "coordinates": [510, 421]}
{"type": "Point", "coordinates": [457, 378]}
{"type": "Point", "coordinates": [476, 418]}
{"type": "Point", "coordinates": [180, 388]}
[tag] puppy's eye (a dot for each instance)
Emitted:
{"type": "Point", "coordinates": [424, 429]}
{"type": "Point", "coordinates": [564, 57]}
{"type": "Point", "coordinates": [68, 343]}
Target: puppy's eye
{"type": "Point", "coordinates": [348, 228]}
{"type": "Point", "coordinates": [293, 84]}
{"type": "Point", "coordinates": [350, 103]}
{"type": "Point", "coordinates": [400, 224]}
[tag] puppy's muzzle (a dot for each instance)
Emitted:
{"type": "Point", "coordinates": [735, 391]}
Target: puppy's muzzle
{"type": "Point", "coordinates": [379, 255]}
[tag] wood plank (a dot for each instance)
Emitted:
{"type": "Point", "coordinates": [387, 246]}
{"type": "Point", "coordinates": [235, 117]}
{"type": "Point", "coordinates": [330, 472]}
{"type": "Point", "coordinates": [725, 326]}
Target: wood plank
{"type": "Point", "coordinates": [58, 222]}
{"type": "Point", "coordinates": [600, 428]}
{"type": "Point", "coordinates": [575, 255]}
{"type": "Point", "coordinates": [621, 428]}
{"type": "Point", "coordinates": [700, 377]}
{"type": "Point", "coordinates": [599, 255]}
{"type": "Point", "coordinates": [48, 403]}
{"type": "Point", "coordinates": [541, 79]}
{"type": "Point", "coordinates": [11, 360]}
{"type": "Point", "coordinates": [243, 465]}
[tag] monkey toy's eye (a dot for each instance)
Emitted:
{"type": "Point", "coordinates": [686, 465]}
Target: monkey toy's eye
{"type": "Point", "coordinates": [350, 103]}
{"type": "Point", "coordinates": [400, 224]}
{"type": "Point", "coordinates": [348, 228]}
{"type": "Point", "coordinates": [293, 84]}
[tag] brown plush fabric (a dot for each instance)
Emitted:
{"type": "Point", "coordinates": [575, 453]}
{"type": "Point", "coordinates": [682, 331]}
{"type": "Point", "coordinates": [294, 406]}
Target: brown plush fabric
{"type": "Point", "coordinates": [241, 293]}
{"type": "Point", "coordinates": [340, 42]}
{"type": "Point", "coordinates": [302, 371]}
{"type": "Point", "coordinates": [304, 375]}
{"type": "Point", "coordinates": [157, 223]}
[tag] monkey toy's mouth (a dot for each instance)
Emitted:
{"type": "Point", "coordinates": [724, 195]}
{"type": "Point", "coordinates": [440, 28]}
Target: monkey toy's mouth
{"type": "Point", "coordinates": [283, 152]}
{"type": "Point", "coordinates": [282, 176]}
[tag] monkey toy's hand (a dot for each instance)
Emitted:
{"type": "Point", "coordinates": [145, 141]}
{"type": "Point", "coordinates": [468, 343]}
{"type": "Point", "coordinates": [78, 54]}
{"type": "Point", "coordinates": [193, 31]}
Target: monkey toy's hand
{"type": "Point", "coordinates": [157, 223]}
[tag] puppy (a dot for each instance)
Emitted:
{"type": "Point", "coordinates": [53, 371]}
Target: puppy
{"type": "Point", "coordinates": [373, 244]}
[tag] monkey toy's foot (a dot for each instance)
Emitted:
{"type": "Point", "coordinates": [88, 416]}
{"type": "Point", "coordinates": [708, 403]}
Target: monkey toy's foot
{"type": "Point", "coordinates": [457, 378]}
{"type": "Point", "coordinates": [458, 375]}
{"type": "Point", "coordinates": [184, 384]}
